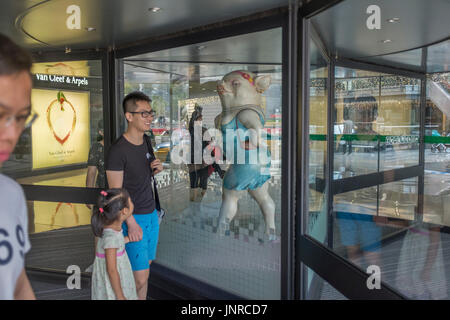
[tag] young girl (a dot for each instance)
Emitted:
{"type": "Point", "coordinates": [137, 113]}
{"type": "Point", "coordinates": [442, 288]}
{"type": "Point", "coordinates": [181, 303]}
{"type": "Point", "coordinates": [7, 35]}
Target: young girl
{"type": "Point", "coordinates": [112, 277]}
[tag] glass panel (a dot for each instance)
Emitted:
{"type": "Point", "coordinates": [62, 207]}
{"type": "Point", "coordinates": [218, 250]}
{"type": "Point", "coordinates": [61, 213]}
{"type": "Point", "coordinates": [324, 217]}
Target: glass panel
{"type": "Point", "coordinates": [319, 289]}
{"type": "Point", "coordinates": [398, 199]}
{"type": "Point", "coordinates": [410, 60]}
{"type": "Point", "coordinates": [399, 119]}
{"type": "Point", "coordinates": [60, 235]}
{"type": "Point", "coordinates": [316, 222]}
{"type": "Point", "coordinates": [67, 97]}
{"type": "Point", "coordinates": [437, 57]}
{"type": "Point", "coordinates": [377, 122]}
{"type": "Point", "coordinates": [242, 254]}
{"type": "Point", "coordinates": [437, 150]}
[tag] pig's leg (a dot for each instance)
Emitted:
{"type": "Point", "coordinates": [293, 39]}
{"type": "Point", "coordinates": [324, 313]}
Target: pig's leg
{"type": "Point", "coordinates": [228, 209]}
{"type": "Point", "coordinates": [265, 202]}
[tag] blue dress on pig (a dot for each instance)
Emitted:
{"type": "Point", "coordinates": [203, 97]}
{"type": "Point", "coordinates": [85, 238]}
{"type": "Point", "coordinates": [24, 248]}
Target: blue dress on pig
{"type": "Point", "coordinates": [249, 169]}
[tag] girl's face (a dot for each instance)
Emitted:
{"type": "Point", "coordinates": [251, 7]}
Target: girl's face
{"type": "Point", "coordinates": [127, 212]}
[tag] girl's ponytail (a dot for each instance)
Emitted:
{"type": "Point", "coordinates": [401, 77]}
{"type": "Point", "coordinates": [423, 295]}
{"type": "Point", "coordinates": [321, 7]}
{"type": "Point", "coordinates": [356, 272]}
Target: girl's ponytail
{"type": "Point", "coordinates": [97, 223]}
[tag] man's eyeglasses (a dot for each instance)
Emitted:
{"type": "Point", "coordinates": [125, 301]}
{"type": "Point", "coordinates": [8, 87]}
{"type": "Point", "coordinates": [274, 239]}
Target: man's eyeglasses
{"type": "Point", "coordinates": [22, 121]}
{"type": "Point", "coordinates": [145, 114]}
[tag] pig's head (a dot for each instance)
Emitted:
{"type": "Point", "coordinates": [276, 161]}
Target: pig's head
{"type": "Point", "coordinates": [241, 87]}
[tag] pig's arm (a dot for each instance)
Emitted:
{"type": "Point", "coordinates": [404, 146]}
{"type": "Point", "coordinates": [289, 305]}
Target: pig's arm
{"type": "Point", "coordinates": [217, 121]}
{"type": "Point", "coordinates": [250, 120]}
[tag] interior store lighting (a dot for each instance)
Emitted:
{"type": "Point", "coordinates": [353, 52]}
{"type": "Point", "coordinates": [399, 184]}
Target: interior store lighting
{"type": "Point", "coordinates": [393, 20]}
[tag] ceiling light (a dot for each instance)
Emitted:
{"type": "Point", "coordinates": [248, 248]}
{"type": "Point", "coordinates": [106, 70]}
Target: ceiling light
{"type": "Point", "coordinates": [386, 41]}
{"type": "Point", "coordinates": [393, 20]}
{"type": "Point", "coordinates": [201, 47]}
{"type": "Point", "coordinates": [154, 9]}
{"type": "Point", "coordinates": [89, 29]}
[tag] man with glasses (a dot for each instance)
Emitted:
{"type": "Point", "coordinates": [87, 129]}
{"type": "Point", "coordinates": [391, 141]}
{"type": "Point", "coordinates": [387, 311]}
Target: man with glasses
{"type": "Point", "coordinates": [130, 165]}
{"type": "Point", "coordinates": [15, 114]}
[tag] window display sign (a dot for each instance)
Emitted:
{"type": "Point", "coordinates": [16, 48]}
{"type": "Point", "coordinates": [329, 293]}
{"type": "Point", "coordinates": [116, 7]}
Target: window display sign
{"type": "Point", "coordinates": [60, 136]}
{"type": "Point", "coordinates": [66, 68]}
{"type": "Point", "coordinates": [62, 79]}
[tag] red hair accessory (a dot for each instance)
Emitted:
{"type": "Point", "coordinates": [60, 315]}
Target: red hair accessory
{"type": "Point", "coordinates": [101, 210]}
{"type": "Point", "coordinates": [247, 77]}
{"type": "Point", "coordinates": [103, 193]}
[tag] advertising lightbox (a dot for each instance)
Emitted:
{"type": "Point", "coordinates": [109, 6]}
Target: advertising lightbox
{"type": "Point", "coordinates": [60, 136]}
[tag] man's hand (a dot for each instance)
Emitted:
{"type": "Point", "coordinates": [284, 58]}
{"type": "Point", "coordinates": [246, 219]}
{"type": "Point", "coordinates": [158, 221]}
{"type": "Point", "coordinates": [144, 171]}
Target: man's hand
{"type": "Point", "coordinates": [134, 230]}
{"type": "Point", "coordinates": [156, 166]}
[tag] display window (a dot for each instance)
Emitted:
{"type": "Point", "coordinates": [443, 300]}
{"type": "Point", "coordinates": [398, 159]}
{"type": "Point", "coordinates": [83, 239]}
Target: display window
{"type": "Point", "coordinates": [223, 213]}
{"type": "Point", "coordinates": [64, 145]}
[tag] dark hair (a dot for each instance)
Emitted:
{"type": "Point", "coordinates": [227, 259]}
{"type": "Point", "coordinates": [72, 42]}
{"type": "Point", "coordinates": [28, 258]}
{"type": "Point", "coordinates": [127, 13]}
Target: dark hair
{"type": "Point", "coordinates": [109, 207]}
{"type": "Point", "coordinates": [129, 102]}
{"type": "Point", "coordinates": [197, 114]}
{"type": "Point", "coordinates": [13, 59]}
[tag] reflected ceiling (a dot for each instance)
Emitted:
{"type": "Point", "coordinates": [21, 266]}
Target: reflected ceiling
{"type": "Point", "coordinates": [420, 23]}
{"type": "Point", "coordinates": [42, 24]}
{"type": "Point", "coordinates": [161, 72]}
{"type": "Point", "coordinates": [258, 52]}
{"type": "Point", "coordinates": [257, 48]}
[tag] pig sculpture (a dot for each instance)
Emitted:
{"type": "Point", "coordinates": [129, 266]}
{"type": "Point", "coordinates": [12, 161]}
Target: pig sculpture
{"type": "Point", "coordinates": [240, 96]}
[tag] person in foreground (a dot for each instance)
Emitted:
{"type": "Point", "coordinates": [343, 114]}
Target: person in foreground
{"type": "Point", "coordinates": [15, 112]}
{"type": "Point", "coordinates": [112, 277]}
{"type": "Point", "coordinates": [130, 165]}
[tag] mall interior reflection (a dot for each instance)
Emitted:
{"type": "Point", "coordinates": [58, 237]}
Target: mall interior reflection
{"type": "Point", "coordinates": [397, 223]}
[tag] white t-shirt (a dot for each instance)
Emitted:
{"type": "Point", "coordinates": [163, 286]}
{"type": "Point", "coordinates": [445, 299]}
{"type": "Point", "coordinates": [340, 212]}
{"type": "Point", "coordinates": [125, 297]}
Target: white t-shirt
{"type": "Point", "coordinates": [14, 242]}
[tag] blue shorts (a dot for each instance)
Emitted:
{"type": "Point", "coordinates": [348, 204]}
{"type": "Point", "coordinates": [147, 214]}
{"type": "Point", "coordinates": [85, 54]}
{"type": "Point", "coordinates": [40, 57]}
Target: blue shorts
{"type": "Point", "coordinates": [141, 252]}
{"type": "Point", "coordinates": [359, 229]}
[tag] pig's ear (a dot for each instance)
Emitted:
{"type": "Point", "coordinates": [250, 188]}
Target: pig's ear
{"type": "Point", "coordinates": [262, 83]}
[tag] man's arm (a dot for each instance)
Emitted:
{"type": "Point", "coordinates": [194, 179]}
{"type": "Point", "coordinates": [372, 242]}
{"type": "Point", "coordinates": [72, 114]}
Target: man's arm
{"type": "Point", "coordinates": [115, 180]}
{"type": "Point", "coordinates": [90, 176]}
{"type": "Point", "coordinates": [90, 179]}
{"type": "Point", "coordinates": [23, 290]}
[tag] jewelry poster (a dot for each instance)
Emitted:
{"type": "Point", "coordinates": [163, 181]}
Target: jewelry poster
{"type": "Point", "coordinates": [60, 136]}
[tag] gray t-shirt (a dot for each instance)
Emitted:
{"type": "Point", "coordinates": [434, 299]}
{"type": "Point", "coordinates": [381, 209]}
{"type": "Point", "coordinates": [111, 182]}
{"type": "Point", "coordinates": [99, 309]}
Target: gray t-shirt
{"type": "Point", "coordinates": [14, 242]}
